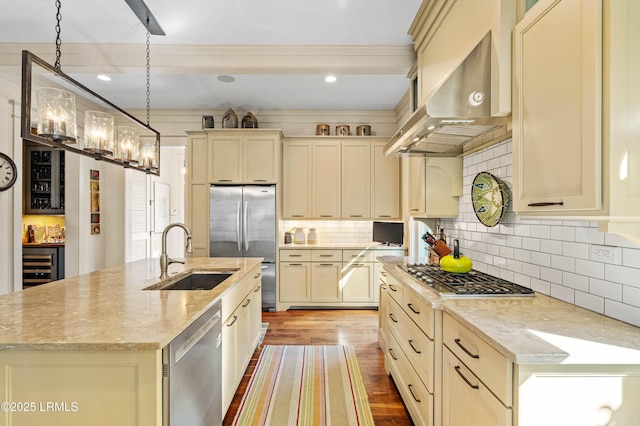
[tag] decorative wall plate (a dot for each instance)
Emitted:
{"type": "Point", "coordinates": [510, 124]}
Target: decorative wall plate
{"type": "Point", "coordinates": [8, 172]}
{"type": "Point", "coordinates": [489, 197]}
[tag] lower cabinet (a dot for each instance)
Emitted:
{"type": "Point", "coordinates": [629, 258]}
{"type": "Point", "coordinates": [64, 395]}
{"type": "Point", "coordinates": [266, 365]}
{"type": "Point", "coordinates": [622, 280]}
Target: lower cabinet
{"type": "Point", "coordinates": [240, 333]}
{"type": "Point", "coordinates": [329, 277]}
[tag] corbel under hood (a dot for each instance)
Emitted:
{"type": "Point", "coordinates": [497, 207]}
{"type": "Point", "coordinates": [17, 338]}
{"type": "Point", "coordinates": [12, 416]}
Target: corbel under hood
{"type": "Point", "coordinates": [458, 116]}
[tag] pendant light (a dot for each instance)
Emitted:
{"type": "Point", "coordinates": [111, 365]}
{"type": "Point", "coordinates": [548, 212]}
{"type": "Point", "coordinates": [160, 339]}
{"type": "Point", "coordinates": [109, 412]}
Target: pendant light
{"type": "Point", "coordinates": [127, 147]}
{"type": "Point", "coordinates": [98, 132]}
{"type": "Point", "coordinates": [56, 107]}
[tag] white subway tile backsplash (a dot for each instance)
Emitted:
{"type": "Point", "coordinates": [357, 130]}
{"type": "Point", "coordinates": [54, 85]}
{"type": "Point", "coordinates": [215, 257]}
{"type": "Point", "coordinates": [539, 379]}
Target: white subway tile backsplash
{"type": "Point", "coordinates": [631, 257]}
{"type": "Point", "coordinates": [605, 289]}
{"type": "Point", "coordinates": [550, 256]}
{"type": "Point", "coordinates": [631, 296]}
{"type": "Point", "coordinates": [589, 301]}
{"type": "Point", "coordinates": [562, 293]}
{"type": "Point", "coordinates": [575, 281]}
{"type": "Point", "coordinates": [563, 263]}
{"type": "Point", "coordinates": [623, 312]}
{"type": "Point", "coordinates": [589, 268]}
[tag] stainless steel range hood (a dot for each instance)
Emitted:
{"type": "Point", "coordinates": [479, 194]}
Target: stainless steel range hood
{"type": "Point", "coordinates": [457, 115]}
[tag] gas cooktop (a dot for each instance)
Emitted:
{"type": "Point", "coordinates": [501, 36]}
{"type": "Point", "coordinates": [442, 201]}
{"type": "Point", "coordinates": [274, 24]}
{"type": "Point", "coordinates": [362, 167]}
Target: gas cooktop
{"type": "Point", "coordinates": [474, 283]}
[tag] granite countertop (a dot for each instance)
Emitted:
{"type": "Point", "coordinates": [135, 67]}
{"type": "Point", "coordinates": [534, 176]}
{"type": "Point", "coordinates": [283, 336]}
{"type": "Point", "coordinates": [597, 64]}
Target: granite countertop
{"type": "Point", "coordinates": [109, 310]}
{"type": "Point", "coordinates": [535, 330]}
{"type": "Point", "coordinates": [340, 246]}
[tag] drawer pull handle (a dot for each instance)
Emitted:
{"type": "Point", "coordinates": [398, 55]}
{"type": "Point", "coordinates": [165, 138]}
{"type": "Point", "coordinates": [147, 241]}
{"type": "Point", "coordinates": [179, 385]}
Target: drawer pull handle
{"type": "Point", "coordinates": [257, 275]}
{"type": "Point", "coordinates": [413, 347]}
{"type": "Point", "coordinates": [557, 203]}
{"type": "Point", "coordinates": [392, 288]}
{"type": "Point", "coordinates": [326, 215]}
{"type": "Point", "coordinates": [384, 274]}
{"type": "Point", "coordinates": [257, 289]}
{"type": "Point", "coordinates": [326, 264]}
{"type": "Point", "coordinates": [225, 180]}
{"type": "Point", "coordinates": [326, 255]}
{"type": "Point", "coordinates": [392, 355]}
{"type": "Point", "coordinates": [246, 304]}
{"type": "Point", "coordinates": [413, 394]}
{"type": "Point", "coordinates": [413, 309]}
{"type": "Point", "coordinates": [392, 318]}
{"type": "Point", "coordinates": [259, 180]}
{"type": "Point", "coordinates": [297, 215]}
{"type": "Point", "coordinates": [235, 318]}
{"type": "Point", "coordinates": [294, 255]}
{"type": "Point", "coordinates": [472, 355]}
{"type": "Point", "coordinates": [457, 367]}
{"type": "Point", "coordinates": [295, 264]}
{"type": "Point", "coordinates": [385, 215]}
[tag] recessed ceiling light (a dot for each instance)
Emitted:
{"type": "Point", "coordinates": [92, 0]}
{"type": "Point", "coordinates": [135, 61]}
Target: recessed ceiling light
{"type": "Point", "coordinates": [104, 77]}
{"type": "Point", "coordinates": [330, 79]}
{"type": "Point", "coordinates": [226, 78]}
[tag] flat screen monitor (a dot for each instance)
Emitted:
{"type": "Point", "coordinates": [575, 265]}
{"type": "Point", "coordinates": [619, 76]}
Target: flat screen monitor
{"type": "Point", "coordinates": [391, 233]}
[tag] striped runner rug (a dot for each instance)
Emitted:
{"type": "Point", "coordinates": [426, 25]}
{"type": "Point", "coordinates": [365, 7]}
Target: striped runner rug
{"type": "Point", "coordinates": [305, 385]}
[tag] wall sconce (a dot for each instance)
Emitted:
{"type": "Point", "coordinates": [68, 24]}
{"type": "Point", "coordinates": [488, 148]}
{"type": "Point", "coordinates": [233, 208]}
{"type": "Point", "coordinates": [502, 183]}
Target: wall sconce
{"type": "Point", "coordinates": [98, 132]}
{"type": "Point", "coordinates": [56, 114]}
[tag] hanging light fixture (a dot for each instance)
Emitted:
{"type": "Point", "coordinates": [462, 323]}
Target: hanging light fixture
{"type": "Point", "coordinates": [54, 111]}
{"type": "Point", "coordinates": [98, 132]}
{"type": "Point", "coordinates": [127, 147]}
{"type": "Point", "coordinates": [56, 107]}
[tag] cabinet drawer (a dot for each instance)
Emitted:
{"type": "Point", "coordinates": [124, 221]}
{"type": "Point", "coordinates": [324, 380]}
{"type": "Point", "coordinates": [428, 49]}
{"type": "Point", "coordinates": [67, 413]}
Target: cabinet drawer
{"type": "Point", "coordinates": [417, 399]}
{"type": "Point", "coordinates": [417, 347]}
{"type": "Point", "coordinates": [389, 252]}
{"type": "Point", "coordinates": [419, 311]}
{"type": "Point", "coordinates": [239, 292]}
{"type": "Point", "coordinates": [395, 288]}
{"type": "Point", "coordinates": [295, 255]}
{"type": "Point", "coordinates": [326, 255]}
{"type": "Point", "coordinates": [358, 255]}
{"type": "Point", "coordinates": [489, 365]}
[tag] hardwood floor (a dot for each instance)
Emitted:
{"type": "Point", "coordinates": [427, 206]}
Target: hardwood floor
{"type": "Point", "coordinates": [358, 328]}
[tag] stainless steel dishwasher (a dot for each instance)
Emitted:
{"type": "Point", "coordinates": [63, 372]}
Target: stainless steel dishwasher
{"type": "Point", "coordinates": [192, 376]}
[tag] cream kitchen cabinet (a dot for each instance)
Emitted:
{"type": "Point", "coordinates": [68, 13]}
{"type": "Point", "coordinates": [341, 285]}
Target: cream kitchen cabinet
{"type": "Point", "coordinates": [356, 179]}
{"type": "Point", "coordinates": [244, 156]}
{"type": "Point", "coordinates": [296, 179]}
{"type": "Point", "coordinates": [326, 179]}
{"type": "Point", "coordinates": [410, 352]}
{"type": "Point", "coordinates": [240, 331]}
{"type": "Point", "coordinates": [435, 185]}
{"type": "Point", "coordinates": [197, 192]}
{"type": "Point", "coordinates": [329, 277]}
{"type": "Point", "coordinates": [575, 154]}
{"type": "Point", "coordinates": [477, 381]}
{"type": "Point", "coordinates": [385, 183]}
{"type": "Point", "coordinates": [339, 178]}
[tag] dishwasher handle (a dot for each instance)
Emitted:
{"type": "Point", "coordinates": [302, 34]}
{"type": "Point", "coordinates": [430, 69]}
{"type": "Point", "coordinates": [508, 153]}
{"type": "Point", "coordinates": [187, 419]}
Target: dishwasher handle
{"type": "Point", "coordinates": [196, 337]}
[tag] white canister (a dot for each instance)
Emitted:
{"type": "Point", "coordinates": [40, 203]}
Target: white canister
{"type": "Point", "coordinates": [299, 237]}
{"type": "Point", "coordinates": [312, 236]}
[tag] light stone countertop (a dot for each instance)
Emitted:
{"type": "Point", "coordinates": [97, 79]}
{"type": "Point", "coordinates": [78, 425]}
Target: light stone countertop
{"type": "Point", "coordinates": [109, 310]}
{"type": "Point", "coordinates": [535, 330]}
{"type": "Point", "coordinates": [340, 246]}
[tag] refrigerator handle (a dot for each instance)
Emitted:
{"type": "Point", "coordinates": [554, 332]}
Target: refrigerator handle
{"type": "Point", "coordinates": [238, 226]}
{"type": "Point", "coordinates": [244, 226]}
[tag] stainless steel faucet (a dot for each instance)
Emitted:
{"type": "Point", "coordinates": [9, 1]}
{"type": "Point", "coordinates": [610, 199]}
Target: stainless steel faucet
{"type": "Point", "coordinates": [165, 260]}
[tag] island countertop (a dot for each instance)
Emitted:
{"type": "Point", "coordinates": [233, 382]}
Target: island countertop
{"type": "Point", "coordinates": [109, 309]}
{"type": "Point", "coordinates": [535, 330]}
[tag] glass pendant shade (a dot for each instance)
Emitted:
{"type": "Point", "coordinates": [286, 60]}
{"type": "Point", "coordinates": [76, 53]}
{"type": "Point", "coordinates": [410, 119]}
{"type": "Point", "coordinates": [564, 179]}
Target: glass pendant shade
{"type": "Point", "coordinates": [98, 132]}
{"type": "Point", "coordinates": [56, 114]}
{"type": "Point", "coordinates": [148, 156]}
{"type": "Point", "coordinates": [127, 147]}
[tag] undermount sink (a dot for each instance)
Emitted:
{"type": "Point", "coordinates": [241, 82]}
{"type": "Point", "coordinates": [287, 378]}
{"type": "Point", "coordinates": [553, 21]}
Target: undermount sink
{"type": "Point", "coordinates": [196, 281]}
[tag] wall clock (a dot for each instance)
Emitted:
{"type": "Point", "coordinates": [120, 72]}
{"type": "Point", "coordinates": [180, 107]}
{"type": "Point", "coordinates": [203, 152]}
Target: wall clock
{"type": "Point", "coordinates": [489, 197]}
{"type": "Point", "coordinates": [8, 172]}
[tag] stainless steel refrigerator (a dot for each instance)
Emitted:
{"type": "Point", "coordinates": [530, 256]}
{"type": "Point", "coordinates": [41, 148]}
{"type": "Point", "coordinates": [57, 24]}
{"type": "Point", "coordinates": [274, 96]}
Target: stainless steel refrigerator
{"type": "Point", "coordinates": [242, 223]}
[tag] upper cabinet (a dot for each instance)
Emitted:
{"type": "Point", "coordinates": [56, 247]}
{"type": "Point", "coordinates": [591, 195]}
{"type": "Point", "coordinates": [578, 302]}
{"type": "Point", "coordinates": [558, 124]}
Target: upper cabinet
{"type": "Point", "coordinates": [435, 185]}
{"type": "Point", "coordinates": [244, 156]}
{"type": "Point", "coordinates": [445, 31]}
{"type": "Point", "coordinates": [576, 96]}
{"type": "Point", "coordinates": [339, 178]}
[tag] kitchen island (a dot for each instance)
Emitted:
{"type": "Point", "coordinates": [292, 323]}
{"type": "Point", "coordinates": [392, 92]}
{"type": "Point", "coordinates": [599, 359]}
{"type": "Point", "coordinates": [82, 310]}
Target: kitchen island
{"type": "Point", "coordinates": [505, 360]}
{"type": "Point", "coordinates": [88, 349]}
